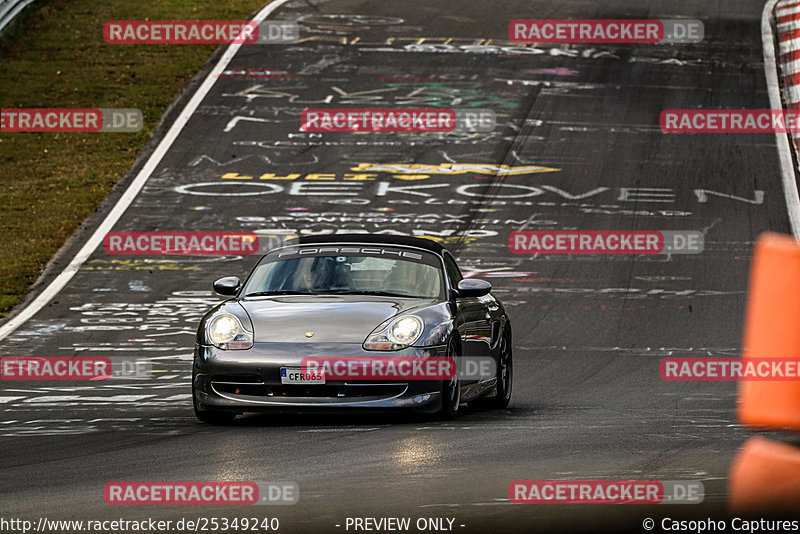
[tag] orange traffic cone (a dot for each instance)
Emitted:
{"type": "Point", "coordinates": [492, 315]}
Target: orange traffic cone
{"type": "Point", "coordinates": [772, 330]}
{"type": "Point", "coordinates": [764, 477]}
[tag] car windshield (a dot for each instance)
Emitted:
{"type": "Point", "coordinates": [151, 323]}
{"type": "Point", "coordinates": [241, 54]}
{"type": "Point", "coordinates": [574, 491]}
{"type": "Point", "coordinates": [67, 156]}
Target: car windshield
{"type": "Point", "coordinates": [348, 270]}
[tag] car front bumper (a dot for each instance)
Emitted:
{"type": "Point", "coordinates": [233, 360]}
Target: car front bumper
{"type": "Point", "coordinates": [250, 380]}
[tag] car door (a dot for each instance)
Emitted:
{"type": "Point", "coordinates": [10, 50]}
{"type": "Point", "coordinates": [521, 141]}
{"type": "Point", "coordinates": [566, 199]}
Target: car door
{"type": "Point", "coordinates": [475, 321]}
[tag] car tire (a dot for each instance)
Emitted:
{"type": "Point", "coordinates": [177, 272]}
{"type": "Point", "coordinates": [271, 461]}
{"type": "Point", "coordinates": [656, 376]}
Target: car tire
{"type": "Point", "coordinates": [451, 390]}
{"type": "Point", "coordinates": [505, 377]}
{"type": "Point", "coordinates": [212, 417]}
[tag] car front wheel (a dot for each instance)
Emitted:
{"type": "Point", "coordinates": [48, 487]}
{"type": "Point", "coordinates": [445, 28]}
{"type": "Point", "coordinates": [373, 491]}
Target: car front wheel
{"type": "Point", "coordinates": [451, 390]}
{"type": "Point", "coordinates": [212, 417]}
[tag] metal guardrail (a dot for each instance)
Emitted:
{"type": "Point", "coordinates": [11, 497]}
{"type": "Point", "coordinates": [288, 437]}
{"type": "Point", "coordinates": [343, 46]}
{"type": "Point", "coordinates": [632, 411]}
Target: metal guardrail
{"type": "Point", "coordinates": [10, 9]}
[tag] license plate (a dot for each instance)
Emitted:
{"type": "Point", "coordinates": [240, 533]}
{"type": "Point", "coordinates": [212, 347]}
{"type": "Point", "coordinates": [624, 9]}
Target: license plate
{"type": "Point", "coordinates": [294, 376]}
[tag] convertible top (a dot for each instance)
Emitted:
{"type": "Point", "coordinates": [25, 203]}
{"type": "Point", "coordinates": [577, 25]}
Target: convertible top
{"type": "Point", "coordinates": [418, 242]}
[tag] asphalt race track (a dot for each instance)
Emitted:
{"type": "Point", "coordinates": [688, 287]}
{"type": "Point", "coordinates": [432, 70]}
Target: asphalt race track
{"type": "Point", "coordinates": [577, 126]}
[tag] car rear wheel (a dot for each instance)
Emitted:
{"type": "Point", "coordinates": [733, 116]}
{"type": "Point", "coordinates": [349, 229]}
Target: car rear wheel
{"type": "Point", "coordinates": [505, 374]}
{"type": "Point", "coordinates": [451, 390]}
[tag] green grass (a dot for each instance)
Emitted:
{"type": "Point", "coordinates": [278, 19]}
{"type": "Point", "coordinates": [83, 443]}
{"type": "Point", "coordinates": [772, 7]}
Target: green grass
{"type": "Point", "coordinates": [54, 56]}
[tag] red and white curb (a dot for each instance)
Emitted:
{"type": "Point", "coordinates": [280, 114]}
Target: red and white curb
{"type": "Point", "coordinates": [782, 74]}
{"type": "Point", "coordinates": [787, 23]}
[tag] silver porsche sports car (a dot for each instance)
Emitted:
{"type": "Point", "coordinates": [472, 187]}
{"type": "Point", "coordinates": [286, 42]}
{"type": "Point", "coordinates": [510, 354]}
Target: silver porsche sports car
{"type": "Point", "coordinates": [380, 299]}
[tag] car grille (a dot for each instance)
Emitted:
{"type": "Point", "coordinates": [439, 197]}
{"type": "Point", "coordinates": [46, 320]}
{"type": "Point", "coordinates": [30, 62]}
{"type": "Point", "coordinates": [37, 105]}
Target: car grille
{"type": "Point", "coordinates": [332, 391]}
{"type": "Point", "coordinates": [252, 386]}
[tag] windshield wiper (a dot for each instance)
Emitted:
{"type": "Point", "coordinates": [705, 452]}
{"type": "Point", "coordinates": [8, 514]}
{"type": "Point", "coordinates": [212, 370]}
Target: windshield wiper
{"type": "Point", "coordinates": [277, 292]}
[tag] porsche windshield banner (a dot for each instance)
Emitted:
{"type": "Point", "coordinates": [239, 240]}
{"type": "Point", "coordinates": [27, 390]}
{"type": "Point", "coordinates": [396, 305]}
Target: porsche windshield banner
{"type": "Point", "coordinates": [334, 250]}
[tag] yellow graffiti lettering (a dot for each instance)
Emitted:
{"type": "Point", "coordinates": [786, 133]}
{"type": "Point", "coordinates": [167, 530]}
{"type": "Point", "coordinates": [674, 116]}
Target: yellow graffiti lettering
{"type": "Point", "coordinates": [270, 176]}
{"type": "Point", "coordinates": [451, 168]}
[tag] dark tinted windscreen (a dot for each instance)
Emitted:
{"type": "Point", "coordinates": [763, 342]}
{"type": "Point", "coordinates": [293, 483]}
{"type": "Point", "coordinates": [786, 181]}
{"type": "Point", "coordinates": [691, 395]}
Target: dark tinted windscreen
{"type": "Point", "coordinates": [347, 270]}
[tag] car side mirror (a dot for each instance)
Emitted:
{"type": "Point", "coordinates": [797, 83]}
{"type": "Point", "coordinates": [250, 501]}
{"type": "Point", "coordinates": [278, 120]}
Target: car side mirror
{"type": "Point", "coordinates": [227, 286]}
{"type": "Point", "coordinates": [473, 288]}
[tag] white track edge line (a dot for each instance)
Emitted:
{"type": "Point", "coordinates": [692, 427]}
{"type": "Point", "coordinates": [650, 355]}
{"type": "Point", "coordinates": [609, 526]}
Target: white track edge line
{"type": "Point", "coordinates": [133, 189]}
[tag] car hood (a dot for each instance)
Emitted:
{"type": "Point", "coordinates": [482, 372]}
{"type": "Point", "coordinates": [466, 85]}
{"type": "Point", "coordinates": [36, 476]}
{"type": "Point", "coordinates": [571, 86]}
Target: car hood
{"type": "Point", "coordinates": [332, 318]}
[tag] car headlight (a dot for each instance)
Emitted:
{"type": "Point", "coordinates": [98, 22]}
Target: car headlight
{"type": "Point", "coordinates": [225, 331]}
{"type": "Point", "coordinates": [398, 334]}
